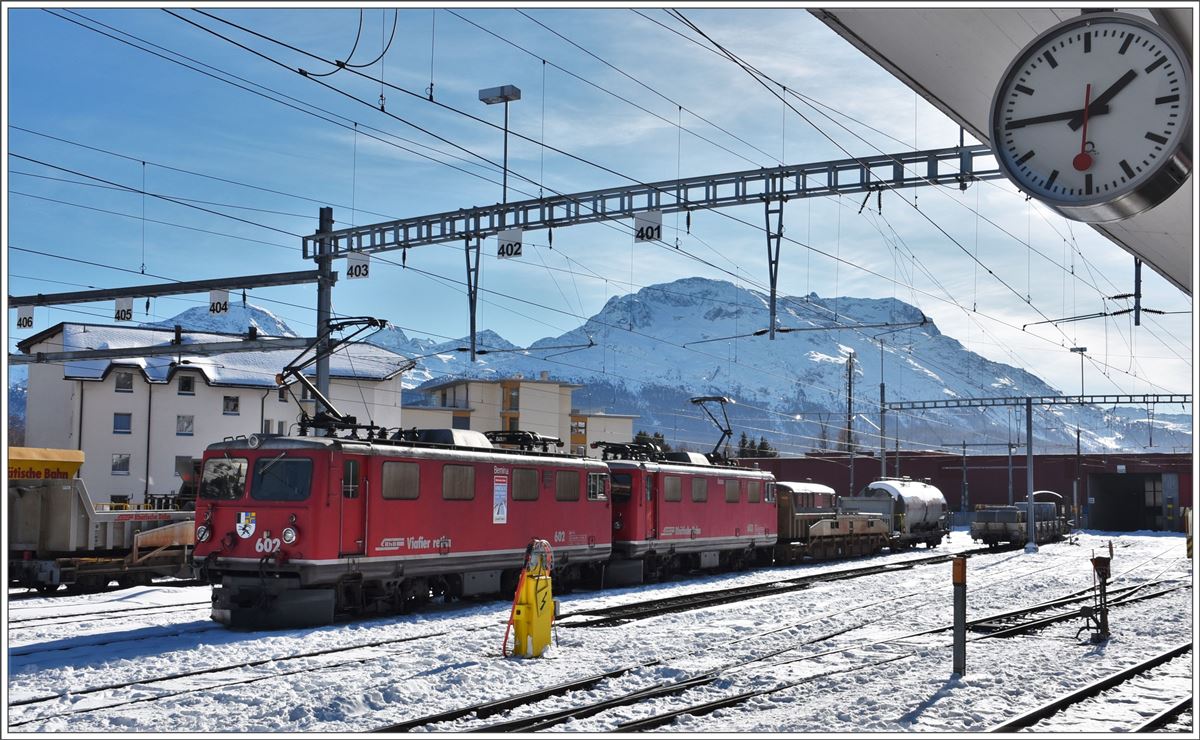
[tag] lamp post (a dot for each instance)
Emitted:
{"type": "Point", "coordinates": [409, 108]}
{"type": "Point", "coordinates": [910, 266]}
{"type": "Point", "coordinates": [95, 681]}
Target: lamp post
{"type": "Point", "coordinates": [1080, 351]}
{"type": "Point", "coordinates": [503, 94]}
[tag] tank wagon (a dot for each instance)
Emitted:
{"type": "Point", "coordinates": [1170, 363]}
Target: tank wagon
{"type": "Point", "coordinates": [997, 525]}
{"type": "Point", "coordinates": [811, 525]}
{"type": "Point", "coordinates": [293, 531]}
{"type": "Point", "coordinates": [914, 511]}
{"type": "Point", "coordinates": [679, 511]}
{"type": "Point", "coordinates": [57, 536]}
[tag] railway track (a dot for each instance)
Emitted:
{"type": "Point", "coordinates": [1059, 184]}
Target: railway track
{"type": "Point", "coordinates": [30, 622]}
{"type": "Point", "coordinates": [74, 693]}
{"type": "Point", "coordinates": [1081, 709]}
{"type": "Point", "coordinates": [623, 613]}
{"type": "Point", "coordinates": [551, 718]}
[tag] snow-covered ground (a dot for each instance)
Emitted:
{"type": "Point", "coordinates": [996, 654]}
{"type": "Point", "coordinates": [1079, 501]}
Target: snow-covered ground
{"type": "Point", "coordinates": [456, 658]}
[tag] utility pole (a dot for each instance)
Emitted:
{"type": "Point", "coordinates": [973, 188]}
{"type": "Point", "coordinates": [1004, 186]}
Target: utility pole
{"type": "Point", "coordinates": [1010, 481]}
{"type": "Point", "coordinates": [963, 504]}
{"type": "Point", "coordinates": [1031, 545]}
{"type": "Point", "coordinates": [1075, 491]}
{"type": "Point", "coordinates": [850, 415]}
{"type": "Point", "coordinates": [325, 282]}
{"type": "Point", "coordinates": [882, 412]}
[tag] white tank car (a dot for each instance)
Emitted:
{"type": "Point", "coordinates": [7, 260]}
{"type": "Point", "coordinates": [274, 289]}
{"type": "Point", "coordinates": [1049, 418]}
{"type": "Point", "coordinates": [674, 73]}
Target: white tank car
{"type": "Point", "coordinates": [917, 511]}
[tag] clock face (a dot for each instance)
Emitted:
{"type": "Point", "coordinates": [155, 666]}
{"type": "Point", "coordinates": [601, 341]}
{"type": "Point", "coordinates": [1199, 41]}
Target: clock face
{"type": "Point", "coordinates": [1093, 117]}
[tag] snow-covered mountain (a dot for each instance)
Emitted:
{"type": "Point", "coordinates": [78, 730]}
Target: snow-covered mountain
{"type": "Point", "coordinates": [649, 352]}
{"type": "Point", "coordinates": [236, 320]}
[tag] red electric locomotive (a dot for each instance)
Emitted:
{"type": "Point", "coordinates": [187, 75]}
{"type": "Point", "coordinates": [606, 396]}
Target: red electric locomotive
{"type": "Point", "coordinates": [677, 512]}
{"type": "Point", "coordinates": [292, 531]}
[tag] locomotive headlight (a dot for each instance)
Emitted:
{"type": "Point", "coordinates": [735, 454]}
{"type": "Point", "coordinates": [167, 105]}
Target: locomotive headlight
{"type": "Point", "coordinates": [203, 533]}
{"type": "Point", "coordinates": [289, 535]}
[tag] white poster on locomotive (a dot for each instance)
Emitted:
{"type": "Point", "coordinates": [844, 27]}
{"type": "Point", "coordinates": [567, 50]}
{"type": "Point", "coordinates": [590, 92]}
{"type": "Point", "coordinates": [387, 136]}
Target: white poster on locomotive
{"type": "Point", "coordinates": [500, 496]}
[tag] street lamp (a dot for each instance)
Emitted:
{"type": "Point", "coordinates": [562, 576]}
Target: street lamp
{"type": "Point", "coordinates": [502, 94]}
{"type": "Point", "coordinates": [1080, 350]}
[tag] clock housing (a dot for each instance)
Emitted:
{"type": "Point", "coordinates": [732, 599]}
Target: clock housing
{"type": "Point", "coordinates": [1093, 117]}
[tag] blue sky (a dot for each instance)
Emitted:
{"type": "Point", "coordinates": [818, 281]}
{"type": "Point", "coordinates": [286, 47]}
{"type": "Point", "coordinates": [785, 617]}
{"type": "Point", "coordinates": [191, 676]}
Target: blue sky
{"type": "Point", "coordinates": [171, 124]}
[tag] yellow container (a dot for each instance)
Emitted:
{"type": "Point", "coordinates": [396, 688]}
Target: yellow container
{"type": "Point", "coordinates": [533, 616]}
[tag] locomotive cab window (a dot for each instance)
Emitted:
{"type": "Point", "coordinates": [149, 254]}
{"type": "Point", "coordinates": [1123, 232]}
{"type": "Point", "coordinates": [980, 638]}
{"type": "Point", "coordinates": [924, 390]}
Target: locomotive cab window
{"type": "Point", "coordinates": [622, 486]}
{"type": "Point", "coordinates": [350, 479]}
{"type": "Point", "coordinates": [566, 485]}
{"type": "Point", "coordinates": [770, 497]}
{"type": "Point", "coordinates": [223, 478]}
{"type": "Point", "coordinates": [458, 482]}
{"type": "Point", "coordinates": [699, 489]}
{"type": "Point", "coordinates": [672, 488]}
{"type": "Point", "coordinates": [596, 487]}
{"type": "Point", "coordinates": [401, 480]}
{"type": "Point", "coordinates": [733, 491]}
{"type": "Point", "coordinates": [524, 484]}
{"type": "Point", "coordinates": [281, 479]}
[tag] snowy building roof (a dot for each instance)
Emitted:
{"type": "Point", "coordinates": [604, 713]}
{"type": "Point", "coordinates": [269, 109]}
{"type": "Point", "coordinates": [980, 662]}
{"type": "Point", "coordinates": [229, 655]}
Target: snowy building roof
{"type": "Point", "coordinates": [255, 368]}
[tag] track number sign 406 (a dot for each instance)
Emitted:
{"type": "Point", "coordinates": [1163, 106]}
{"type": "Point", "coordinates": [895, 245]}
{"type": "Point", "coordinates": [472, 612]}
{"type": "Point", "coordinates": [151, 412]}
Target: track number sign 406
{"type": "Point", "coordinates": [25, 317]}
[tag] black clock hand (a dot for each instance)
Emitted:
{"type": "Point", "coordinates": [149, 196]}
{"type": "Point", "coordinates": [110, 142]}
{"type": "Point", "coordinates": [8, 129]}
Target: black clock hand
{"type": "Point", "coordinates": [1093, 110]}
{"type": "Point", "coordinates": [1103, 99]}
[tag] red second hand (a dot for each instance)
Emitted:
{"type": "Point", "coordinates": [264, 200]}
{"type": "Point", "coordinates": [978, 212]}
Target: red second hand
{"type": "Point", "coordinates": [1083, 160]}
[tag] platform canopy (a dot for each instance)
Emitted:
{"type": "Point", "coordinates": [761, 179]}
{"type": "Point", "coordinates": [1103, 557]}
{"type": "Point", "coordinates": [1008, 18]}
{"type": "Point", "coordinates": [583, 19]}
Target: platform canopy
{"type": "Point", "coordinates": [954, 57]}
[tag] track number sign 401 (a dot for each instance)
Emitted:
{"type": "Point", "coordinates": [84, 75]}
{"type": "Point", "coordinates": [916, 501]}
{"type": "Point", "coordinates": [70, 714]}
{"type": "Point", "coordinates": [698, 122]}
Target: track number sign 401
{"type": "Point", "coordinates": [647, 227]}
{"type": "Point", "coordinates": [508, 243]}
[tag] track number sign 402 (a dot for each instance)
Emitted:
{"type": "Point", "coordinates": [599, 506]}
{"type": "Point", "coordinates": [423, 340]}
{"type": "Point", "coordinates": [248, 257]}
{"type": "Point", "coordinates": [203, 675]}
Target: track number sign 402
{"type": "Point", "coordinates": [508, 243]}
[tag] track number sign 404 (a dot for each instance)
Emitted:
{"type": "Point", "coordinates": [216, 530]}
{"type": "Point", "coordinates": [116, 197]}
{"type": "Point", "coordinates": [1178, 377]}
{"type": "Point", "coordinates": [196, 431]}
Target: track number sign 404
{"type": "Point", "coordinates": [218, 301]}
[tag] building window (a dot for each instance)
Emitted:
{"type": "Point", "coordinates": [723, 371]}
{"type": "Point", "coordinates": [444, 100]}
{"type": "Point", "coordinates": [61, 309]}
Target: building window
{"type": "Point", "coordinates": [282, 428]}
{"type": "Point", "coordinates": [524, 484]}
{"type": "Point", "coordinates": [124, 382]}
{"type": "Point", "coordinates": [187, 385]}
{"type": "Point", "coordinates": [230, 405]}
{"type": "Point", "coordinates": [283, 393]}
{"type": "Point", "coordinates": [268, 425]}
{"type": "Point", "coordinates": [182, 462]}
{"type": "Point", "coordinates": [512, 424]}
{"type": "Point", "coordinates": [566, 485]}
{"type": "Point", "coordinates": [122, 423]}
{"type": "Point", "coordinates": [184, 425]}
{"type": "Point", "coordinates": [460, 422]}
{"type": "Point", "coordinates": [306, 394]}
{"type": "Point", "coordinates": [120, 463]}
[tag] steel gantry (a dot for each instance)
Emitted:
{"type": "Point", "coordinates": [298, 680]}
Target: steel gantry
{"type": "Point", "coordinates": [1029, 402]}
{"type": "Point", "coordinates": [772, 186]}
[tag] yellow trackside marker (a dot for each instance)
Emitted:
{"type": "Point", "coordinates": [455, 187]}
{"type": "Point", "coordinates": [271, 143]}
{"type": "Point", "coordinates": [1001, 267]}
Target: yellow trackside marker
{"type": "Point", "coordinates": [532, 614]}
